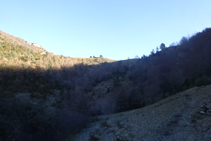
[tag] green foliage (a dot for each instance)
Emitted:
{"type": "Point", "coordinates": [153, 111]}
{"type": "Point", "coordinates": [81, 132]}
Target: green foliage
{"type": "Point", "coordinates": [32, 57]}
{"type": "Point", "coordinates": [12, 54]}
{"type": "Point", "coordinates": [1, 47]}
{"type": "Point", "coordinates": [29, 51]}
{"type": "Point", "coordinates": [37, 56]}
{"type": "Point", "coordinates": [24, 58]}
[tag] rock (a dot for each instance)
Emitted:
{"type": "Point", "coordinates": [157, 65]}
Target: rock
{"type": "Point", "coordinates": [5, 59]}
{"type": "Point", "coordinates": [202, 112]}
{"type": "Point", "coordinates": [35, 44]}
{"type": "Point", "coordinates": [43, 53]}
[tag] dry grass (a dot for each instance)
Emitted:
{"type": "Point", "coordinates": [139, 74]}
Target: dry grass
{"type": "Point", "coordinates": [19, 41]}
{"type": "Point", "coordinates": [16, 52]}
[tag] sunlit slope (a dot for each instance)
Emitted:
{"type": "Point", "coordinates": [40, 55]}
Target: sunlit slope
{"type": "Point", "coordinates": [16, 52]}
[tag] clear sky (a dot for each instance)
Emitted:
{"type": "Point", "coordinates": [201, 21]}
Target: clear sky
{"type": "Point", "coordinates": [116, 29]}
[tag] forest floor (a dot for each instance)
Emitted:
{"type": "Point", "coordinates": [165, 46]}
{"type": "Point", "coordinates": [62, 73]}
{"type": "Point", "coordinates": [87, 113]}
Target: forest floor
{"type": "Point", "coordinates": [174, 118]}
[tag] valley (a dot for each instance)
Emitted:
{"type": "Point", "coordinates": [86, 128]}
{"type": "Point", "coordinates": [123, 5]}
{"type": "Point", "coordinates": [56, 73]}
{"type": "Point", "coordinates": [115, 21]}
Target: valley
{"type": "Point", "coordinates": [54, 97]}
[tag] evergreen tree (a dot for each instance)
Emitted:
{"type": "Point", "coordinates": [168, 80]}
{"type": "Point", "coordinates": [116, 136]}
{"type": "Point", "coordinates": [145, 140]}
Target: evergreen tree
{"type": "Point", "coordinates": [162, 46]}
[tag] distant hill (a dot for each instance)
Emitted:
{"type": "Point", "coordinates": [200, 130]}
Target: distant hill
{"type": "Point", "coordinates": [43, 94]}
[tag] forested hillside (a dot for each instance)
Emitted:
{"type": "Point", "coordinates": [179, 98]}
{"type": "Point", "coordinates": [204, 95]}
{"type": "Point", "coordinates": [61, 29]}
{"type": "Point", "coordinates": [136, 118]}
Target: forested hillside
{"type": "Point", "coordinates": [50, 96]}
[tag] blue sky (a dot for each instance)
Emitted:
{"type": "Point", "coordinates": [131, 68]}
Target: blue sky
{"type": "Point", "coordinates": [116, 29]}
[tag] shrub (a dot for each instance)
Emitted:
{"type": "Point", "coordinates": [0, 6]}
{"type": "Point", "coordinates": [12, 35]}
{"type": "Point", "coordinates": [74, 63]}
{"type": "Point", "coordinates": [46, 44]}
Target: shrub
{"type": "Point", "coordinates": [24, 58]}
{"type": "Point", "coordinates": [37, 56]}
{"type": "Point", "coordinates": [26, 121]}
{"type": "Point", "coordinates": [203, 80]}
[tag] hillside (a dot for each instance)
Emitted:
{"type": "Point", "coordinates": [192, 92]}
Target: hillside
{"type": "Point", "coordinates": [49, 97]}
{"type": "Point", "coordinates": [31, 83]}
{"type": "Point", "coordinates": [18, 41]}
{"type": "Point", "coordinates": [16, 52]}
{"type": "Point", "coordinates": [174, 118]}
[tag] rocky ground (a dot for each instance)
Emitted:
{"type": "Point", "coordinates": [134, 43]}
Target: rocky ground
{"type": "Point", "coordinates": [175, 118]}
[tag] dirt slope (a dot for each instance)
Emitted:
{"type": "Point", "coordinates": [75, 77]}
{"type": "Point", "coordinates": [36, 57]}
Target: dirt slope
{"type": "Point", "coordinates": [174, 118]}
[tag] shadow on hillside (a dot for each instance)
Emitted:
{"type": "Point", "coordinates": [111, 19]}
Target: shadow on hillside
{"type": "Point", "coordinates": [55, 103]}
{"type": "Point", "coordinates": [25, 93]}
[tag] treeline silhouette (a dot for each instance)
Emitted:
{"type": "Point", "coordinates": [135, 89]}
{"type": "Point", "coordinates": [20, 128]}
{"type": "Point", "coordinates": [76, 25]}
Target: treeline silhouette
{"type": "Point", "coordinates": [147, 80]}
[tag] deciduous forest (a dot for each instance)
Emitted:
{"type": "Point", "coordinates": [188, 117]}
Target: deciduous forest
{"type": "Point", "coordinates": [49, 97]}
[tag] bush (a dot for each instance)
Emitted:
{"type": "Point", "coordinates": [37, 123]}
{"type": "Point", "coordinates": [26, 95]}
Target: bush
{"type": "Point", "coordinates": [203, 80]}
{"type": "Point", "coordinates": [37, 56]}
{"type": "Point", "coordinates": [26, 121]}
{"type": "Point", "coordinates": [24, 58]}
